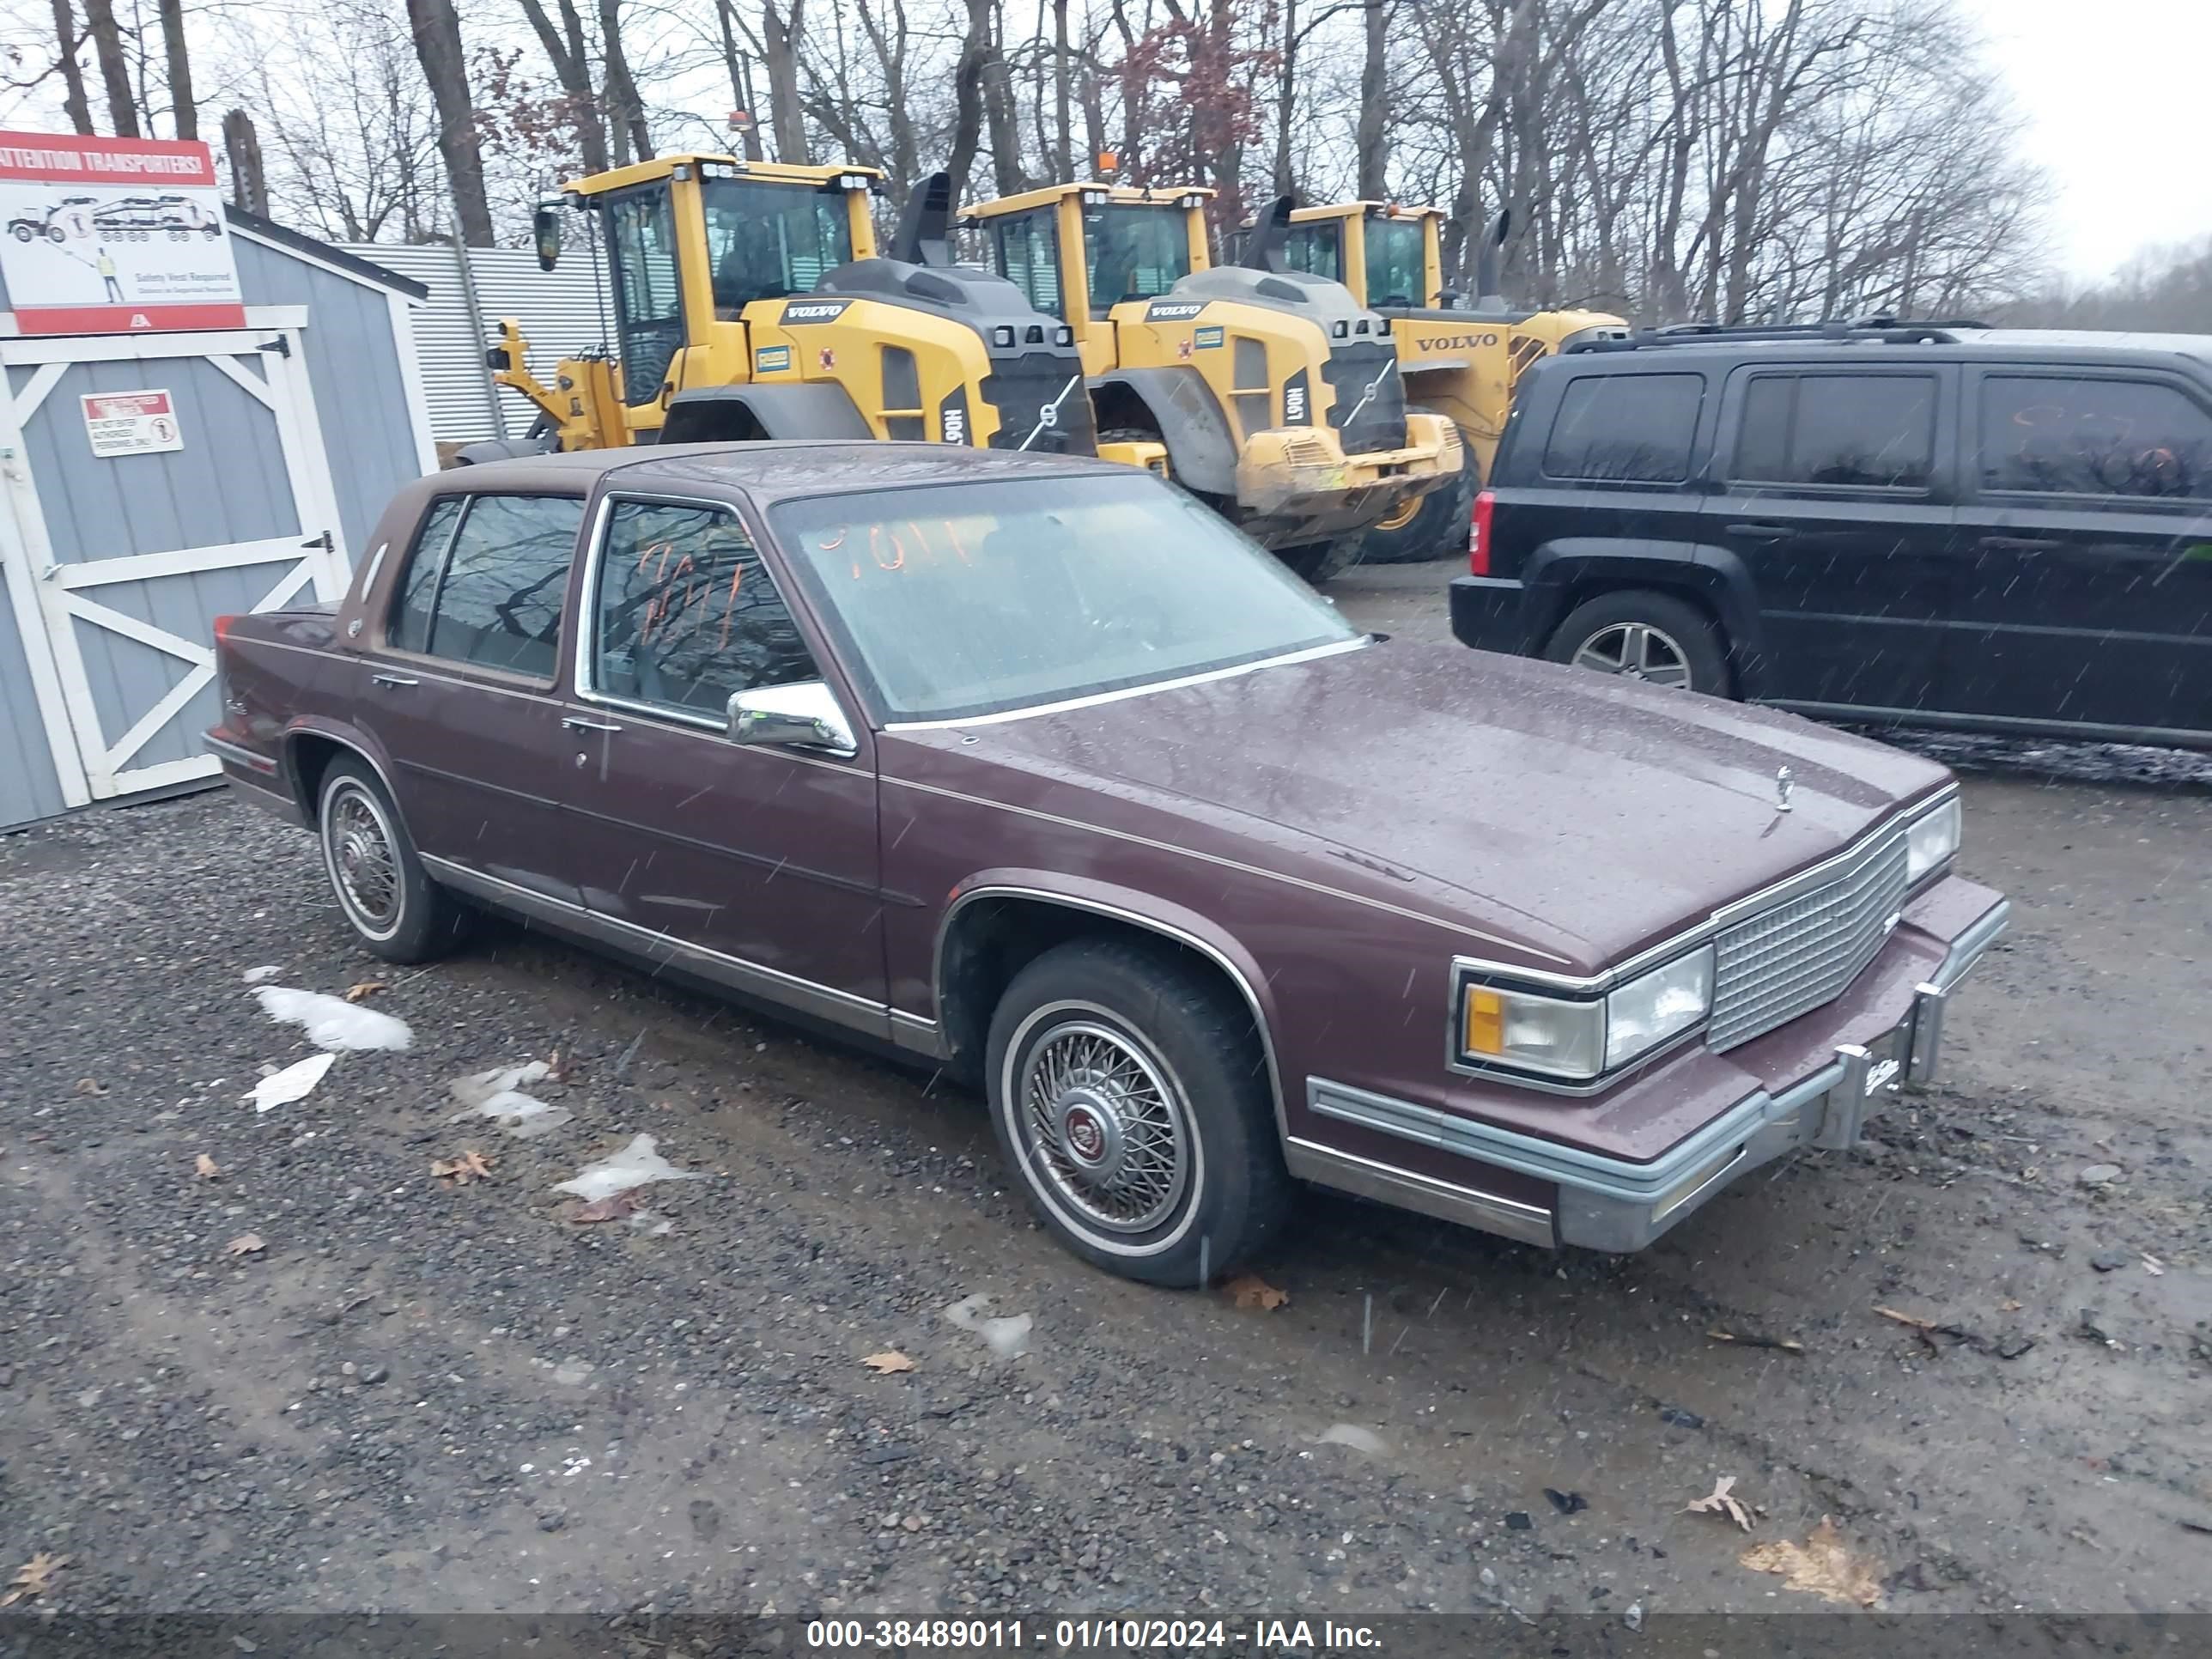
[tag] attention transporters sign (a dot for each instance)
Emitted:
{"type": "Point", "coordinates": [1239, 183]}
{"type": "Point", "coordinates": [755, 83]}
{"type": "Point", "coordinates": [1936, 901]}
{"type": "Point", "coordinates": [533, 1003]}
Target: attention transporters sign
{"type": "Point", "coordinates": [113, 236]}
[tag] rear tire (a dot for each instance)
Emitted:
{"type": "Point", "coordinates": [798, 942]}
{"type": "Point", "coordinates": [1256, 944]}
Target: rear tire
{"type": "Point", "coordinates": [385, 895]}
{"type": "Point", "coordinates": [1321, 562]}
{"type": "Point", "coordinates": [1438, 528]}
{"type": "Point", "coordinates": [1644, 635]}
{"type": "Point", "coordinates": [1129, 1097]}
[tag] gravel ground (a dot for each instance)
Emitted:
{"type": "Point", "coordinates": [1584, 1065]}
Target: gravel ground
{"type": "Point", "coordinates": [420, 1394]}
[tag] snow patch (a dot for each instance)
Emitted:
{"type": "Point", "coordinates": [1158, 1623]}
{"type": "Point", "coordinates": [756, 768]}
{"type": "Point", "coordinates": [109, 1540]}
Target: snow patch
{"type": "Point", "coordinates": [1352, 1435]}
{"type": "Point", "coordinates": [636, 1165]}
{"type": "Point", "coordinates": [332, 1022]}
{"type": "Point", "coordinates": [255, 975]}
{"type": "Point", "coordinates": [295, 1082]}
{"type": "Point", "coordinates": [1008, 1338]}
{"type": "Point", "coordinates": [496, 1095]}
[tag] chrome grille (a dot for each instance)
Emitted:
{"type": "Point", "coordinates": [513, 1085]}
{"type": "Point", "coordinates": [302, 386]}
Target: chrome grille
{"type": "Point", "coordinates": [1803, 951]}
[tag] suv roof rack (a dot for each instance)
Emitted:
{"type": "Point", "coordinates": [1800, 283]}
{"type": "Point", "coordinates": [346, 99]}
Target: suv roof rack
{"type": "Point", "coordinates": [1879, 328]}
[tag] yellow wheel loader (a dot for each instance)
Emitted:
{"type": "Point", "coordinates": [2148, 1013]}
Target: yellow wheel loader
{"type": "Point", "coordinates": [746, 301]}
{"type": "Point", "coordinates": [1460, 361]}
{"type": "Point", "coordinates": [1273, 396]}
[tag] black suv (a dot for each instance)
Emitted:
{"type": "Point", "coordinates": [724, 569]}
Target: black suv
{"type": "Point", "coordinates": [1933, 525]}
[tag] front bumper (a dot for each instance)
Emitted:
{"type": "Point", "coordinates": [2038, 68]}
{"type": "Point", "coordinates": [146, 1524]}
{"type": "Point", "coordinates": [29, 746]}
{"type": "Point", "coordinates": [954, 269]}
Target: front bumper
{"type": "Point", "coordinates": [1303, 473]}
{"type": "Point", "coordinates": [1606, 1203]}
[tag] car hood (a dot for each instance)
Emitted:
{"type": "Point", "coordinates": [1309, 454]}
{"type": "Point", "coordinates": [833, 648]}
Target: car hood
{"type": "Point", "coordinates": [1601, 813]}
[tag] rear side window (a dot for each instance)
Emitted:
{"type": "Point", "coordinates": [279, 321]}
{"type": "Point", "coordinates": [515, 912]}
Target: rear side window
{"type": "Point", "coordinates": [489, 588]}
{"type": "Point", "coordinates": [1626, 428]}
{"type": "Point", "coordinates": [2133, 438]}
{"type": "Point", "coordinates": [1838, 431]}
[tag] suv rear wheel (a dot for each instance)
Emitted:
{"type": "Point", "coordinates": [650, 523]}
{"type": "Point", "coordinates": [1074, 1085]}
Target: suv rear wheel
{"type": "Point", "coordinates": [1643, 635]}
{"type": "Point", "coordinates": [1128, 1097]}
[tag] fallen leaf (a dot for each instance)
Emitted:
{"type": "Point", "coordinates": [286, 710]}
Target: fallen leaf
{"type": "Point", "coordinates": [86, 1085]}
{"type": "Point", "coordinates": [469, 1166]}
{"type": "Point", "coordinates": [247, 1244]}
{"type": "Point", "coordinates": [890, 1360]}
{"type": "Point", "coordinates": [34, 1578]}
{"type": "Point", "coordinates": [1722, 1500]}
{"type": "Point", "coordinates": [613, 1207]}
{"type": "Point", "coordinates": [1821, 1565]}
{"type": "Point", "coordinates": [206, 1168]}
{"type": "Point", "coordinates": [1250, 1290]}
{"type": "Point", "coordinates": [365, 990]}
{"type": "Point", "coordinates": [1750, 1339]}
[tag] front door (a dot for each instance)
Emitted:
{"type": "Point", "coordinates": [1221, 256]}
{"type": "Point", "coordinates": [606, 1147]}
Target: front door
{"type": "Point", "coordinates": [157, 483]}
{"type": "Point", "coordinates": [2089, 528]}
{"type": "Point", "coordinates": [754, 865]}
{"type": "Point", "coordinates": [1831, 494]}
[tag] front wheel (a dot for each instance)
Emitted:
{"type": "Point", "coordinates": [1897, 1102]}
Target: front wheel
{"type": "Point", "coordinates": [1644, 635]}
{"type": "Point", "coordinates": [382, 889]}
{"type": "Point", "coordinates": [1430, 526]}
{"type": "Point", "coordinates": [1127, 1092]}
{"type": "Point", "coordinates": [1321, 562]}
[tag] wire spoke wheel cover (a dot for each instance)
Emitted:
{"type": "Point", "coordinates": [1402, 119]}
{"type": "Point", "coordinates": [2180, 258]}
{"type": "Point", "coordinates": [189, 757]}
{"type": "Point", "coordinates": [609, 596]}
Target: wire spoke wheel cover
{"type": "Point", "coordinates": [1103, 1129]}
{"type": "Point", "coordinates": [1636, 651]}
{"type": "Point", "coordinates": [363, 857]}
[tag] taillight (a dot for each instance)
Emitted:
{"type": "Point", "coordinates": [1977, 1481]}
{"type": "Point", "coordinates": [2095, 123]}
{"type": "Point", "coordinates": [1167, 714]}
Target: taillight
{"type": "Point", "coordinates": [222, 628]}
{"type": "Point", "coordinates": [1478, 535]}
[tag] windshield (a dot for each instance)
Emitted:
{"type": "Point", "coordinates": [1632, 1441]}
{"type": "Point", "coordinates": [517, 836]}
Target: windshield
{"type": "Point", "coordinates": [1136, 253]}
{"type": "Point", "coordinates": [976, 599]}
{"type": "Point", "coordinates": [766, 241]}
{"type": "Point", "coordinates": [1395, 273]}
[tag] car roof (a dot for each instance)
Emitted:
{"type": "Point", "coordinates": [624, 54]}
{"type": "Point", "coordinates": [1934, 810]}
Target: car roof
{"type": "Point", "coordinates": [1953, 342]}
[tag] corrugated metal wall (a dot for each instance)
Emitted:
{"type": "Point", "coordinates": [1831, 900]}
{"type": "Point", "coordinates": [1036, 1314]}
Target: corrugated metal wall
{"type": "Point", "coordinates": [559, 311]}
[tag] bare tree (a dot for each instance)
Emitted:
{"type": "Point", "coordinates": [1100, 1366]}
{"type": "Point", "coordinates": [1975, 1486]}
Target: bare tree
{"type": "Point", "coordinates": [436, 28]}
{"type": "Point", "coordinates": [241, 149]}
{"type": "Point", "coordinates": [114, 67]}
{"type": "Point", "coordinates": [183, 112]}
{"type": "Point", "coordinates": [567, 53]}
{"type": "Point", "coordinates": [68, 39]}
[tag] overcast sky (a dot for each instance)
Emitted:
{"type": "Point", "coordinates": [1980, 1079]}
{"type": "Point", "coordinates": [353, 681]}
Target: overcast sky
{"type": "Point", "coordinates": [2115, 92]}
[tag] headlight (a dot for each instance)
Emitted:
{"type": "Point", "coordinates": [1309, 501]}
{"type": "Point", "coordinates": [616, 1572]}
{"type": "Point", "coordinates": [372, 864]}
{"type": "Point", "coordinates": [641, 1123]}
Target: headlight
{"type": "Point", "coordinates": [1931, 840]}
{"type": "Point", "coordinates": [1581, 1039]}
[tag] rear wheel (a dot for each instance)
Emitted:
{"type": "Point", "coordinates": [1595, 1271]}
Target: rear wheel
{"type": "Point", "coordinates": [1318, 561]}
{"type": "Point", "coordinates": [1430, 526]}
{"type": "Point", "coordinates": [1643, 635]}
{"type": "Point", "coordinates": [382, 889]}
{"type": "Point", "coordinates": [1127, 1094]}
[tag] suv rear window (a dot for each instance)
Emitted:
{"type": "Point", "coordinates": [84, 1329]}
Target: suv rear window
{"type": "Point", "coordinates": [1838, 430]}
{"type": "Point", "coordinates": [2094, 438]}
{"type": "Point", "coordinates": [1627, 429]}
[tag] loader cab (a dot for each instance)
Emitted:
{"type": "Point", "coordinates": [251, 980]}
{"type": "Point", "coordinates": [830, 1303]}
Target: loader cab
{"type": "Point", "coordinates": [1390, 257]}
{"type": "Point", "coordinates": [691, 242]}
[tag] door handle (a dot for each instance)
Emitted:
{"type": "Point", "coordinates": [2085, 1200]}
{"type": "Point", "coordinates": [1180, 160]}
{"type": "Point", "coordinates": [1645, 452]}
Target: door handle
{"type": "Point", "coordinates": [577, 723]}
{"type": "Point", "coordinates": [2019, 544]}
{"type": "Point", "coordinates": [1761, 533]}
{"type": "Point", "coordinates": [391, 679]}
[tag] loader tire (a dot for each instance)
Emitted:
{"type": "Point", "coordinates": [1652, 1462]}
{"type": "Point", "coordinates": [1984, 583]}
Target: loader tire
{"type": "Point", "coordinates": [1436, 528]}
{"type": "Point", "coordinates": [1321, 562]}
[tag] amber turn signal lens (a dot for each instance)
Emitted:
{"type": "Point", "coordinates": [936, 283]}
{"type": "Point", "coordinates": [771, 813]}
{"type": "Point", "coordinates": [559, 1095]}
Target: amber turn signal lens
{"type": "Point", "coordinates": [1485, 1022]}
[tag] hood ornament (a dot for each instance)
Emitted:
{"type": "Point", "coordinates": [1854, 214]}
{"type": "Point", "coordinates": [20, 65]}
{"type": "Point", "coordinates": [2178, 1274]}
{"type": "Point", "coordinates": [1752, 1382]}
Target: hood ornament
{"type": "Point", "coordinates": [1784, 782]}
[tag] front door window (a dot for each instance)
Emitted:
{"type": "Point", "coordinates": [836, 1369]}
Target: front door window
{"type": "Point", "coordinates": [1024, 249]}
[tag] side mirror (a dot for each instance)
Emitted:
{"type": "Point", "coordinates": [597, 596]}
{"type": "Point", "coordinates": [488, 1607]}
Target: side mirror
{"type": "Point", "coordinates": [801, 716]}
{"type": "Point", "coordinates": [545, 227]}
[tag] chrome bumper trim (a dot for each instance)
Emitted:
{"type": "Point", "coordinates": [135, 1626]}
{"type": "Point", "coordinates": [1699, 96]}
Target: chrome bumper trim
{"type": "Point", "coordinates": [238, 755]}
{"type": "Point", "coordinates": [1613, 1203]}
{"type": "Point", "coordinates": [1423, 1194]}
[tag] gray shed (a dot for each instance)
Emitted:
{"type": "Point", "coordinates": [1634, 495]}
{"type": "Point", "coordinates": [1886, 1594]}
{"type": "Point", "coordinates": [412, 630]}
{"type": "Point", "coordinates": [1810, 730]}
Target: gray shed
{"type": "Point", "coordinates": [293, 431]}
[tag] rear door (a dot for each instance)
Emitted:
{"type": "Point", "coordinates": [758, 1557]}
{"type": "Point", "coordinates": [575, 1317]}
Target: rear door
{"type": "Point", "coordinates": [1830, 489]}
{"type": "Point", "coordinates": [2088, 594]}
{"type": "Point", "coordinates": [460, 689]}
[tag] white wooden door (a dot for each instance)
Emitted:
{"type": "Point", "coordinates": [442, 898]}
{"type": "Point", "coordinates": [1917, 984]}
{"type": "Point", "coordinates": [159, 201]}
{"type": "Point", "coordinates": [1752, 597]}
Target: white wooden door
{"type": "Point", "coordinates": [134, 555]}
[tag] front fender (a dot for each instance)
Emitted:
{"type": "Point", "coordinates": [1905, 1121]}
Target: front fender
{"type": "Point", "coordinates": [1561, 573]}
{"type": "Point", "coordinates": [1202, 449]}
{"type": "Point", "coordinates": [794, 410]}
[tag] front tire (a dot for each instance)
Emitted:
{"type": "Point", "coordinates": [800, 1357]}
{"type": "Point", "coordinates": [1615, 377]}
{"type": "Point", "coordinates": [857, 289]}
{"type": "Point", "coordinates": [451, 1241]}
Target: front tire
{"type": "Point", "coordinates": [1128, 1096]}
{"type": "Point", "coordinates": [386, 897]}
{"type": "Point", "coordinates": [1322, 562]}
{"type": "Point", "coordinates": [1436, 527]}
{"type": "Point", "coordinates": [1644, 635]}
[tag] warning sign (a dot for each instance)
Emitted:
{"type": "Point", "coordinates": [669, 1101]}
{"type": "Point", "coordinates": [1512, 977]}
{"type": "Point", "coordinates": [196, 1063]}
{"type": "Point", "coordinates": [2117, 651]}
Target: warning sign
{"type": "Point", "coordinates": [131, 423]}
{"type": "Point", "coordinates": [113, 235]}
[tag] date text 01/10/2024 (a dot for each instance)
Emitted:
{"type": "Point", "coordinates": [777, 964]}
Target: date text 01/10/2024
{"type": "Point", "coordinates": [1279, 1636]}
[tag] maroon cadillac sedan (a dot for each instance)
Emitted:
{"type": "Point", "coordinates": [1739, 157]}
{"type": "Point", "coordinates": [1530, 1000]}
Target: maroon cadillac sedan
{"type": "Point", "coordinates": [1033, 768]}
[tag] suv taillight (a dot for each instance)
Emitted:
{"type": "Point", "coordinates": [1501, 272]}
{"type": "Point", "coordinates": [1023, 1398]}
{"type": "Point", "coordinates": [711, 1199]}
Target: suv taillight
{"type": "Point", "coordinates": [1478, 535]}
